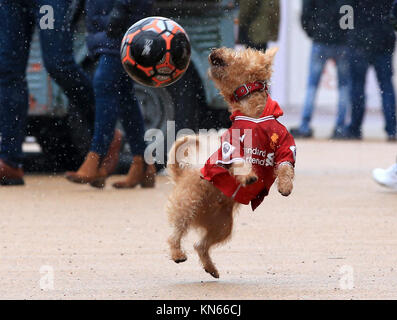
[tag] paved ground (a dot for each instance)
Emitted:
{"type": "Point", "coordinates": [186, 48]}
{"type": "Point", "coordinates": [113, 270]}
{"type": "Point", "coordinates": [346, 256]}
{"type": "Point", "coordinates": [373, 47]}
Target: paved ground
{"type": "Point", "coordinates": [337, 231]}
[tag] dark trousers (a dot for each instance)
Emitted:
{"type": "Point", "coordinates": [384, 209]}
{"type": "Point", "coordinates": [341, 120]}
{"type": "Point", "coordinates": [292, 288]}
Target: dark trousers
{"type": "Point", "coordinates": [115, 100]}
{"type": "Point", "coordinates": [17, 21]}
{"type": "Point", "coordinates": [382, 62]}
{"type": "Point", "coordinates": [320, 54]}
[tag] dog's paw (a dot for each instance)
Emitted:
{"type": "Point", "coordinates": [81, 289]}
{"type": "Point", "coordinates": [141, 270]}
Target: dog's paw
{"type": "Point", "coordinates": [213, 272]}
{"type": "Point", "coordinates": [251, 180]}
{"type": "Point", "coordinates": [285, 188]}
{"type": "Point", "coordinates": [180, 260]}
{"type": "Point", "coordinates": [179, 257]}
{"type": "Point", "coordinates": [285, 176]}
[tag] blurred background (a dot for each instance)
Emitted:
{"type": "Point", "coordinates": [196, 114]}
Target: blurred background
{"type": "Point", "coordinates": [193, 102]}
{"type": "Point", "coordinates": [290, 79]}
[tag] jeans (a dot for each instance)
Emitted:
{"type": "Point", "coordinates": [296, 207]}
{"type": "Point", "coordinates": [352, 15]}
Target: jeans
{"type": "Point", "coordinates": [115, 99]}
{"type": "Point", "coordinates": [382, 62]}
{"type": "Point", "coordinates": [17, 21]}
{"type": "Point", "coordinates": [319, 55]}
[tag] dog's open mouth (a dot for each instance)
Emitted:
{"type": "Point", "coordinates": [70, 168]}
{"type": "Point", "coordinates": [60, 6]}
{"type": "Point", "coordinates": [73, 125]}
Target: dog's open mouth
{"type": "Point", "coordinates": [216, 60]}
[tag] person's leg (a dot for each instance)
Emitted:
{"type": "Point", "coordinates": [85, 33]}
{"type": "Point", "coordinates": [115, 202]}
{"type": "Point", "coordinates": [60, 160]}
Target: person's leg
{"type": "Point", "coordinates": [384, 72]}
{"type": "Point", "coordinates": [358, 68]}
{"type": "Point", "coordinates": [108, 100]}
{"type": "Point", "coordinates": [131, 118]}
{"type": "Point", "coordinates": [319, 56]}
{"type": "Point", "coordinates": [102, 159]}
{"type": "Point", "coordinates": [132, 121]}
{"type": "Point", "coordinates": [57, 50]}
{"type": "Point", "coordinates": [15, 37]}
{"type": "Point", "coordinates": [344, 82]}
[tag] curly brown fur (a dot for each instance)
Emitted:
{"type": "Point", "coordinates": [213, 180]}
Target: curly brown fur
{"type": "Point", "coordinates": [230, 69]}
{"type": "Point", "coordinates": [285, 175]}
{"type": "Point", "coordinates": [195, 202]}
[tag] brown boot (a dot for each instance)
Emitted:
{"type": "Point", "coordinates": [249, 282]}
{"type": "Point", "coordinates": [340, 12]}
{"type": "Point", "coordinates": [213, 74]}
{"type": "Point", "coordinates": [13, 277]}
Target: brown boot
{"type": "Point", "coordinates": [10, 176]}
{"type": "Point", "coordinates": [110, 161]}
{"type": "Point", "coordinates": [88, 171]}
{"type": "Point", "coordinates": [149, 180]}
{"type": "Point", "coordinates": [139, 173]}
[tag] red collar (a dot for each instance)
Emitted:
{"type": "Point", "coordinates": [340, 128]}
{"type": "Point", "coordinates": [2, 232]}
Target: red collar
{"type": "Point", "coordinates": [246, 89]}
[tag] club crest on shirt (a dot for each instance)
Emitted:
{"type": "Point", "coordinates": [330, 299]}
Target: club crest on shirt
{"type": "Point", "coordinates": [274, 141]}
{"type": "Point", "coordinates": [227, 149]}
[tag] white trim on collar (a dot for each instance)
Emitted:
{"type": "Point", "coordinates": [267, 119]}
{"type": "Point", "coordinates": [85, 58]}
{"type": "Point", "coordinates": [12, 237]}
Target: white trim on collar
{"type": "Point", "coordinates": [233, 160]}
{"type": "Point", "coordinates": [245, 118]}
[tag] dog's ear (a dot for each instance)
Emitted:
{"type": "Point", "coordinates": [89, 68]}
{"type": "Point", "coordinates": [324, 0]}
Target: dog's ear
{"type": "Point", "coordinates": [270, 53]}
{"type": "Point", "coordinates": [266, 63]}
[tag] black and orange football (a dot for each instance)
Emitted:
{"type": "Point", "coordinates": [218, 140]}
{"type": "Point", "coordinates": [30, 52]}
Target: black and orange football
{"type": "Point", "coordinates": [156, 51]}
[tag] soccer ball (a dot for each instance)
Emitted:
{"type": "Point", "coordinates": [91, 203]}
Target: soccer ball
{"type": "Point", "coordinates": [155, 51]}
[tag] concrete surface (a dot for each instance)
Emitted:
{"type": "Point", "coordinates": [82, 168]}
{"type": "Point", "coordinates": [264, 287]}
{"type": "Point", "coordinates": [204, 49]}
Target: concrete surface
{"type": "Point", "coordinates": [334, 237]}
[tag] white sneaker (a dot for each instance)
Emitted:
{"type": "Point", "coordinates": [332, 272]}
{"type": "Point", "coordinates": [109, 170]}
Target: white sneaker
{"type": "Point", "coordinates": [386, 177]}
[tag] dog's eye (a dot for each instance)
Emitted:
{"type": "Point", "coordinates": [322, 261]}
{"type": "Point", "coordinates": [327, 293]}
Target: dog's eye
{"type": "Point", "coordinates": [217, 61]}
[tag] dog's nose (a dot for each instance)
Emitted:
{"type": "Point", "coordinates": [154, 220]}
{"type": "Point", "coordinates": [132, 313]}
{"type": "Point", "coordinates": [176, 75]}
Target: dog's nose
{"type": "Point", "coordinates": [215, 58]}
{"type": "Point", "coordinates": [212, 53]}
{"type": "Point", "coordinates": [211, 56]}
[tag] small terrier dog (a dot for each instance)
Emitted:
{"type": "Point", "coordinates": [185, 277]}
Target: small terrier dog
{"type": "Point", "coordinates": [254, 152]}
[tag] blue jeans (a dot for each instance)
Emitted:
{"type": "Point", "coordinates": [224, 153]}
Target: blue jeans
{"type": "Point", "coordinates": [17, 21]}
{"type": "Point", "coordinates": [382, 62]}
{"type": "Point", "coordinates": [319, 55]}
{"type": "Point", "coordinates": [115, 99]}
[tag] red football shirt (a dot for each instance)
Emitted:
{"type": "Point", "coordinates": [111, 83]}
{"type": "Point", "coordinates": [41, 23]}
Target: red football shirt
{"type": "Point", "coordinates": [262, 141]}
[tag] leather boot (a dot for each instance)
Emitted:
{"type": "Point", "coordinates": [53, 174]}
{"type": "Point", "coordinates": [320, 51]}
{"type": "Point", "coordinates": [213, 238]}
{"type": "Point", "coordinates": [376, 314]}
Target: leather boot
{"type": "Point", "coordinates": [139, 173]}
{"type": "Point", "coordinates": [10, 176]}
{"type": "Point", "coordinates": [88, 171]}
{"type": "Point", "coordinates": [149, 180]}
{"type": "Point", "coordinates": [110, 161]}
{"type": "Point", "coordinates": [93, 170]}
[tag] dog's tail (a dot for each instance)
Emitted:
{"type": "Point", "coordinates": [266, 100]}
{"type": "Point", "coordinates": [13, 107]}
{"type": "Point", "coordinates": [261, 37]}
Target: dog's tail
{"type": "Point", "coordinates": [174, 165]}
